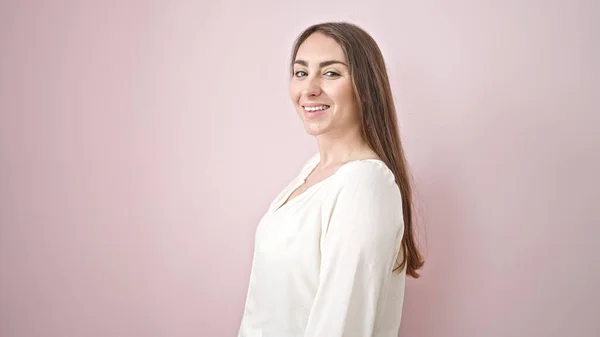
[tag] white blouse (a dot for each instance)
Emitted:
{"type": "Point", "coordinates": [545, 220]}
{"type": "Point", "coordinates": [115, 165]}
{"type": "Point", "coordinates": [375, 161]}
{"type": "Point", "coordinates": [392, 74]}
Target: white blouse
{"type": "Point", "coordinates": [323, 261]}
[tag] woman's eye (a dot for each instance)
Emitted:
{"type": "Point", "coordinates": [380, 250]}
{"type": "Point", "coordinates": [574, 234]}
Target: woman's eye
{"type": "Point", "coordinates": [300, 73]}
{"type": "Point", "coordinates": [331, 74]}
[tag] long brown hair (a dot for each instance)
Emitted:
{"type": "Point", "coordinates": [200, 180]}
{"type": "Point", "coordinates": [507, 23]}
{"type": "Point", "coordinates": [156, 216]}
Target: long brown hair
{"type": "Point", "coordinates": [378, 117]}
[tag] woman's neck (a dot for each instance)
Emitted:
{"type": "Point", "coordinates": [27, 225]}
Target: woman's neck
{"type": "Point", "coordinates": [341, 148]}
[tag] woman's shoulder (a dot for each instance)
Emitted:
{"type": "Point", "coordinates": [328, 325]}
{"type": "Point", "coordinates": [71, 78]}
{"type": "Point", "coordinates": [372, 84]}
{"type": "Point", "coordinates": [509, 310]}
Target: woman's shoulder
{"type": "Point", "coordinates": [366, 189]}
{"type": "Point", "coordinates": [367, 178]}
{"type": "Point", "coordinates": [366, 173]}
{"type": "Point", "coordinates": [370, 170]}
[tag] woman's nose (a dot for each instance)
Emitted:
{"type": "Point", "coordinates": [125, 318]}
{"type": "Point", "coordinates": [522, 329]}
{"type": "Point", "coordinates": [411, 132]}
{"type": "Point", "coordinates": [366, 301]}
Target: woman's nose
{"type": "Point", "coordinates": [313, 87]}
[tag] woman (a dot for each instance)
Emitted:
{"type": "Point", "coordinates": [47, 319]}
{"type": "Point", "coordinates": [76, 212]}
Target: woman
{"type": "Point", "coordinates": [333, 250]}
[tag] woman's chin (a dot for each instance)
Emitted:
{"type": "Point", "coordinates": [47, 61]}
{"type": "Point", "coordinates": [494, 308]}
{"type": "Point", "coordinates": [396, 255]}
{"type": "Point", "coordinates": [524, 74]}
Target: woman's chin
{"type": "Point", "coordinates": [314, 128]}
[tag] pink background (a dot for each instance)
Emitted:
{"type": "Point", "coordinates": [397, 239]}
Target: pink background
{"type": "Point", "coordinates": [140, 142]}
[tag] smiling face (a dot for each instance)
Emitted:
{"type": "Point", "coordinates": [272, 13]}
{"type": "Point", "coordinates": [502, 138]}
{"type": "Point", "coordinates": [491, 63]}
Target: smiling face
{"type": "Point", "coordinates": [321, 87]}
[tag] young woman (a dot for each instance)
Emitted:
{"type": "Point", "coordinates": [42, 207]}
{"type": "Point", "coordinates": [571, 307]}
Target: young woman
{"type": "Point", "coordinates": [334, 248]}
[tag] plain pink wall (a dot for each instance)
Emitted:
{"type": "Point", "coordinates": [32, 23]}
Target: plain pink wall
{"type": "Point", "coordinates": [140, 143]}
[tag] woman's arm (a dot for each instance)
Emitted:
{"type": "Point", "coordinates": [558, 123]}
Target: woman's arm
{"type": "Point", "coordinates": [359, 251]}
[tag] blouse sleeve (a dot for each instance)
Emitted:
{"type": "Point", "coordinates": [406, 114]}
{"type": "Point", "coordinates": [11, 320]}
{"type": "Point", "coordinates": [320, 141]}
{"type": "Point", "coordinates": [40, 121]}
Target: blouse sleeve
{"type": "Point", "coordinates": [358, 253]}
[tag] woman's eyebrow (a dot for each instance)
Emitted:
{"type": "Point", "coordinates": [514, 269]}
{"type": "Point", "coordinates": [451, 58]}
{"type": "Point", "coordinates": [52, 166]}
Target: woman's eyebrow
{"type": "Point", "coordinates": [321, 65]}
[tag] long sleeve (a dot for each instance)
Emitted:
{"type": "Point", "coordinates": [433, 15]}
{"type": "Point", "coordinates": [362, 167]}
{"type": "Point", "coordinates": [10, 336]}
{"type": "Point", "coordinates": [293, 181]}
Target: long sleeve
{"type": "Point", "coordinates": [359, 248]}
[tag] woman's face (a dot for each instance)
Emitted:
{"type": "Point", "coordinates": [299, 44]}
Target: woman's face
{"type": "Point", "coordinates": [321, 87]}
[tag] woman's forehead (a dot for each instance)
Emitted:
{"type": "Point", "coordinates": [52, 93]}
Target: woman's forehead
{"type": "Point", "coordinates": [319, 47]}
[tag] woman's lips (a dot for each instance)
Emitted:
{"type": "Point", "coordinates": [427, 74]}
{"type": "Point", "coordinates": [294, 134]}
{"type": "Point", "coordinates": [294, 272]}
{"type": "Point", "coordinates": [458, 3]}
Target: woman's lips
{"type": "Point", "coordinates": [314, 111]}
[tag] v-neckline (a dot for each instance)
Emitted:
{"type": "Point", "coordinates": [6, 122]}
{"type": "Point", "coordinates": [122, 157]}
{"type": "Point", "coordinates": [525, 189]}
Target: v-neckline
{"type": "Point", "coordinates": [300, 180]}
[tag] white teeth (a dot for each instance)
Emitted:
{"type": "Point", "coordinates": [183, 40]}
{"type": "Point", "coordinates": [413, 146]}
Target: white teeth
{"type": "Point", "coordinates": [316, 108]}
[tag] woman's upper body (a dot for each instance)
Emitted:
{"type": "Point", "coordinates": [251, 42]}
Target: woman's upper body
{"type": "Point", "coordinates": [326, 251]}
{"type": "Point", "coordinates": [323, 260]}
